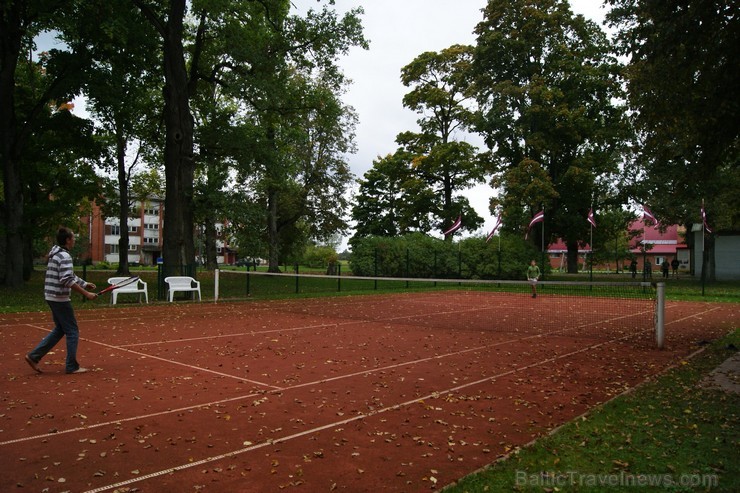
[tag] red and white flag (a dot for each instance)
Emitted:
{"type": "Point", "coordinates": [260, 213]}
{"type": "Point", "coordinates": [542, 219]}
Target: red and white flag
{"type": "Point", "coordinates": [590, 217]}
{"type": "Point", "coordinates": [648, 214]}
{"type": "Point", "coordinates": [538, 218]}
{"type": "Point", "coordinates": [704, 219]}
{"type": "Point", "coordinates": [493, 231]}
{"type": "Point", "coordinates": [455, 226]}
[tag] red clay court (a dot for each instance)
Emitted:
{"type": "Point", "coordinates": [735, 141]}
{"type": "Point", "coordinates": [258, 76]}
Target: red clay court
{"type": "Point", "coordinates": [405, 392]}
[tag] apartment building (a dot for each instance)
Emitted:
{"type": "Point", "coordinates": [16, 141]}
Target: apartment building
{"type": "Point", "coordinates": [145, 230]}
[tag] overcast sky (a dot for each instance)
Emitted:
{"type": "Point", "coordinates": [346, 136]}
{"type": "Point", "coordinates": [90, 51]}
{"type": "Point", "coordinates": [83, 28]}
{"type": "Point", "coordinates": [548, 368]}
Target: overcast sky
{"type": "Point", "coordinates": [399, 31]}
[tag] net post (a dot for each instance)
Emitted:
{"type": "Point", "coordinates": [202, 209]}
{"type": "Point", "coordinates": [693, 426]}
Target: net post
{"type": "Point", "coordinates": [660, 315]}
{"type": "Point", "coordinates": [215, 285]}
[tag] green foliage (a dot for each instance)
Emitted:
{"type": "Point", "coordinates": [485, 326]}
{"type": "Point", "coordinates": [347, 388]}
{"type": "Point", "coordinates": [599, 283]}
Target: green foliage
{"type": "Point", "coordinates": [546, 88]}
{"type": "Point", "coordinates": [682, 82]}
{"type": "Point", "coordinates": [419, 255]}
{"type": "Point", "coordinates": [319, 256]}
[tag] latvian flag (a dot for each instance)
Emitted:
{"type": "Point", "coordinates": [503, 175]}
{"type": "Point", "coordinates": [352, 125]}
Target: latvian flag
{"type": "Point", "coordinates": [490, 235]}
{"type": "Point", "coordinates": [455, 226]}
{"type": "Point", "coordinates": [647, 214]}
{"type": "Point", "coordinates": [704, 219]}
{"type": "Point", "coordinates": [538, 218]}
{"type": "Point", "coordinates": [590, 217]}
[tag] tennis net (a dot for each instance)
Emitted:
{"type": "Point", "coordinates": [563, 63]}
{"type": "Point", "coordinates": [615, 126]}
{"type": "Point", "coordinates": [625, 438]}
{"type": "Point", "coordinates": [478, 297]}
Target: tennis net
{"type": "Point", "coordinates": [574, 308]}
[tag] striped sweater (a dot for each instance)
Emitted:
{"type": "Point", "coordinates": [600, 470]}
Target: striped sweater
{"type": "Point", "coordinates": [59, 275]}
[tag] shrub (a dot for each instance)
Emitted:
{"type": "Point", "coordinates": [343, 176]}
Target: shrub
{"type": "Point", "coordinates": [419, 255]}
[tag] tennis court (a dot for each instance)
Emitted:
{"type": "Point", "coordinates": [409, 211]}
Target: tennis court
{"type": "Point", "coordinates": [386, 392]}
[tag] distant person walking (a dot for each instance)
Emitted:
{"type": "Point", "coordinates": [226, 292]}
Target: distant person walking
{"type": "Point", "coordinates": [633, 268]}
{"type": "Point", "coordinates": [675, 264]}
{"type": "Point", "coordinates": [533, 275]}
{"type": "Point", "coordinates": [60, 281]}
{"type": "Point", "coordinates": [665, 268]}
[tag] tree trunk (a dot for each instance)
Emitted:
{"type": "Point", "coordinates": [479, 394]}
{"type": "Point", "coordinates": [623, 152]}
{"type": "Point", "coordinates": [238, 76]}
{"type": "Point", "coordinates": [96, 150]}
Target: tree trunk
{"type": "Point", "coordinates": [273, 236]}
{"type": "Point", "coordinates": [210, 243]}
{"type": "Point", "coordinates": [179, 247]}
{"type": "Point", "coordinates": [11, 33]}
{"type": "Point", "coordinates": [123, 242]}
{"type": "Point", "coordinates": [572, 257]}
{"type": "Point", "coordinates": [711, 258]}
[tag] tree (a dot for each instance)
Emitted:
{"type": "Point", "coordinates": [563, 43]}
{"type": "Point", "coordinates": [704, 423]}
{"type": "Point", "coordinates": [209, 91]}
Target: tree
{"type": "Point", "coordinates": [390, 201]}
{"type": "Point", "coordinates": [58, 171]}
{"type": "Point", "coordinates": [56, 79]}
{"type": "Point", "coordinates": [546, 87]}
{"type": "Point", "coordinates": [300, 129]}
{"type": "Point", "coordinates": [180, 83]}
{"type": "Point", "coordinates": [121, 96]}
{"type": "Point", "coordinates": [683, 79]}
{"type": "Point", "coordinates": [440, 94]}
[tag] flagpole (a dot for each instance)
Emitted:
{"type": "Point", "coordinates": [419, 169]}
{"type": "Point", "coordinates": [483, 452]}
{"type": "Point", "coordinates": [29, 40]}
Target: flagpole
{"type": "Point", "coordinates": [543, 241]}
{"type": "Point", "coordinates": [499, 256]}
{"type": "Point", "coordinates": [703, 249]}
{"type": "Point", "coordinates": [591, 253]}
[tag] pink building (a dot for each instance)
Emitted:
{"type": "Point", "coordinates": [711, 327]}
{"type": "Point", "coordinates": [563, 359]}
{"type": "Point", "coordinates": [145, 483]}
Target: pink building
{"type": "Point", "coordinates": [658, 247]}
{"type": "Point", "coordinates": [655, 246]}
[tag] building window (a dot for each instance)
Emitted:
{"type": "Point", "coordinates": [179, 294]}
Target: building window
{"type": "Point", "coordinates": [151, 241]}
{"type": "Point", "coordinates": [113, 248]}
{"type": "Point", "coordinates": [151, 211]}
{"type": "Point", "coordinates": [153, 226]}
{"type": "Point", "coordinates": [115, 230]}
{"type": "Point", "coordinates": [133, 229]}
{"type": "Point", "coordinates": [133, 248]}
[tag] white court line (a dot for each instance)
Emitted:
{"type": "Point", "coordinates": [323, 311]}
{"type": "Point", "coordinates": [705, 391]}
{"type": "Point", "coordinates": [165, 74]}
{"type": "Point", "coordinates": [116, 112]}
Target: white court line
{"type": "Point", "coordinates": [302, 385]}
{"type": "Point", "coordinates": [433, 395]}
{"type": "Point", "coordinates": [192, 367]}
{"type": "Point", "coordinates": [132, 418]}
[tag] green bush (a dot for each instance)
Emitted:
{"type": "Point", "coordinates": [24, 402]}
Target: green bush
{"type": "Point", "coordinates": [419, 255]}
{"type": "Point", "coordinates": [319, 257]}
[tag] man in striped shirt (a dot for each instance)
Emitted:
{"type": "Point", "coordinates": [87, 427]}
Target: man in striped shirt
{"type": "Point", "coordinates": [60, 281]}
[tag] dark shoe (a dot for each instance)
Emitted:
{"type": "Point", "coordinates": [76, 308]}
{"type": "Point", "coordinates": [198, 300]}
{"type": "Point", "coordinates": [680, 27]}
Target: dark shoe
{"type": "Point", "coordinates": [78, 370]}
{"type": "Point", "coordinates": [33, 364]}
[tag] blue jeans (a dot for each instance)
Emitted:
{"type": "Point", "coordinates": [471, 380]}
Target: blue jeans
{"type": "Point", "coordinates": [65, 324]}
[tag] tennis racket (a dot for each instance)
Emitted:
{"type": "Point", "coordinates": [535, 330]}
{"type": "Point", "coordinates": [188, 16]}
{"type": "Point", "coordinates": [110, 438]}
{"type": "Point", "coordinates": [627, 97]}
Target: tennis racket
{"type": "Point", "coordinates": [120, 284]}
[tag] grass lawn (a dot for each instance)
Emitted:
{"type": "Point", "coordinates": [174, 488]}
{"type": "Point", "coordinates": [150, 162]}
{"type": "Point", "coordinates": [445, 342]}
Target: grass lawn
{"type": "Point", "coordinates": [675, 431]}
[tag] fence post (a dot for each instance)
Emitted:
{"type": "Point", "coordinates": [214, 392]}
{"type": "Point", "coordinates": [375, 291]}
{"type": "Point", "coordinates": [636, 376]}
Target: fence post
{"type": "Point", "coordinates": [215, 285]}
{"type": "Point", "coordinates": [375, 282]}
{"type": "Point", "coordinates": [160, 281]}
{"type": "Point", "coordinates": [660, 315]}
